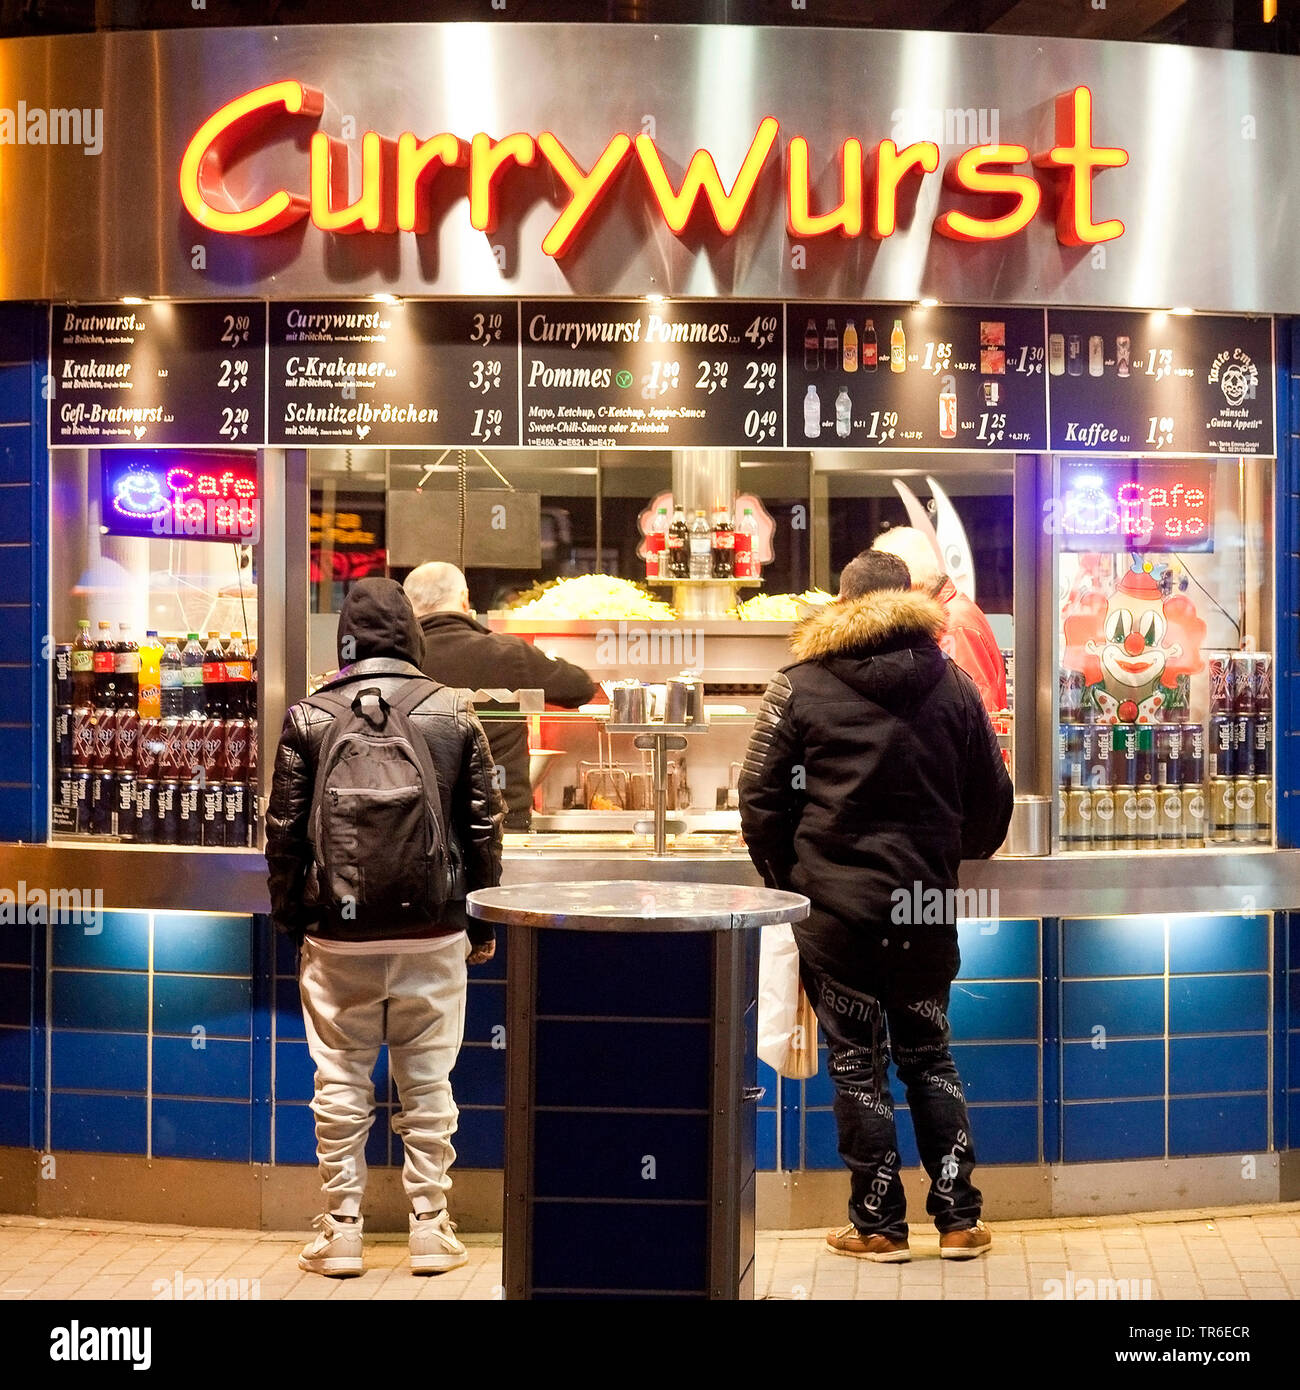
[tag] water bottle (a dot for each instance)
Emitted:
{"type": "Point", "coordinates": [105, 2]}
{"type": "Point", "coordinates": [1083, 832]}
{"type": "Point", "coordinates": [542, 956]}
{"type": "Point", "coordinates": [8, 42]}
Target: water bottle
{"type": "Point", "coordinates": [171, 695]}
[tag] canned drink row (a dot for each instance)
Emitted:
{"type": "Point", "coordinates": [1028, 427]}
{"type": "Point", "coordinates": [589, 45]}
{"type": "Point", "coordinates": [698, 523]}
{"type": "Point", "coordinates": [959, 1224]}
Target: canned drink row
{"type": "Point", "coordinates": [1240, 745]}
{"type": "Point", "coordinates": [120, 741]}
{"type": "Point", "coordinates": [1240, 682]}
{"type": "Point", "coordinates": [1167, 817]}
{"type": "Point", "coordinates": [1130, 755]}
{"type": "Point", "coordinates": [191, 811]}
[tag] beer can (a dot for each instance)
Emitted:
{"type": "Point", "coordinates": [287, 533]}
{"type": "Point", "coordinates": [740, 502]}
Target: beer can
{"type": "Point", "coordinates": [170, 753]}
{"type": "Point", "coordinates": [1221, 810]}
{"type": "Point", "coordinates": [1148, 818]}
{"type": "Point", "coordinates": [148, 748]}
{"type": "Point", "coordinates": [126, 812]}
{"type": "Point", "coordinates": [1243, 811]}
{"type": "Point", "coordinates": [1181, 700]}
{"type": "Point", "coordinates": [63, 806]}
{"type": "Point", "coordinates": [1169, 753]}
{"type": "Point", "coordinates": [1243, 744]}
{"type": "Point", "coordinates": [146, 811]}
{"type": "Point", "coordinates": [1170, 816]}
{"type": "Point", "coordinates": [1070, 687]}
{"type": "Point", "coordinates": [1262, 676]}
{"type": "Point", "coordinates": [254, 817]}
{"type": "Point", "coordinates": [1263, 810]}
{"type": "Point", "coordinates": [1223, 745]}
{"type": "Point", "coordinates": [1243, 682]}
{"type": "Point", "coordinates": [1221, 682]}
{"type": "Point", "coordinates": [126, 731]}
{"type": "Point", "coordinates": [103, 802]}
{"type": "Point", "coordinates": [1191, 762]}
{"type": "Point", "coordinates": [1103, 818]}
{"type": "Point", "coordinates": [1126, 818]}
{"type": "Point", "coordinates": [234, 758]}
{"type": "Point", "coordinates": [212, 740]}
{"type": "Point", "coordinates": [63, 673]}
{"type": "Point", "coordinates": [81, 790]}
{"type": "Point", "coordinates": [1261, 759]}
{"type": "Point", "coordinates": [1064, 768]}
{"type": "Point", "coordinates": [189, 812]}
{"type": "Point", "coordinates": [62, 736]}
{"type": "Point", "coordinates": [235, 808]}
{"type": "Point", "coordinates": [105, 725]}
{"type": "Point", "coordinates": [252, 744]}
{"type": "Point", "coordinates": [191, 745]}
{"type": "Point", "coordinates": [1123, 755]}
{"type": "Point", "coordinates": [83, 736]}
{"type": "Point", "coordinates": [1145, 773]}
{"type": "Point", "coordinates": [1097, 755]}
{"type": "Point", "coordinates": [166, 802]}
{"type": "Point", "coordinates": [1193, 815]}
{"type": "Point", "coordinates": [214, 813]}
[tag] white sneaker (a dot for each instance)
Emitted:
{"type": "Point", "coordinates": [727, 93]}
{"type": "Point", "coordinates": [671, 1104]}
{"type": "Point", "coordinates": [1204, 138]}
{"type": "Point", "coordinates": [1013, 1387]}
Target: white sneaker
{"type": "Point", "coordinates": [434, 1247]}
{"type": "Point", "coordinates": [336, 1251]}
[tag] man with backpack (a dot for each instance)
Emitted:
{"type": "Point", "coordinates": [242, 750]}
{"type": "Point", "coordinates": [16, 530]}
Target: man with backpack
{"type": "Point", "coordinates": [383, 816]}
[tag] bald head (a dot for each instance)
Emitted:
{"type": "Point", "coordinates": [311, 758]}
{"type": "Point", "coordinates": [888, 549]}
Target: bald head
{"type": "Point", "coordinates": [915, 551]}
{"type": "Point", "coordinates": [437, 588]}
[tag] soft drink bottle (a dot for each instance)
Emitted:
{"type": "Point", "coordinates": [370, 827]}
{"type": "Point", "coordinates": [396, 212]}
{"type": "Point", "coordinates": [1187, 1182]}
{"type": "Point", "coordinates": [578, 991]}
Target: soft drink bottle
{"type": "Point", "coordinates": [105, 677]}
{"type": "Point", "coordinates": [150, 694]}
{"type": "Point", "coordinates": [724, 546]}
{"type": "Point", "coordinates": [83, 666]}
{"type": "Point", "coordinates": [214, 677]}
{"type": "Point", "coordinates": [745, 566]}
{"type": "Point", "coordinates": [239, 678]}
{"type": "Point", "coordinates": [678, 547]}
{"type": "Point", "coordinates": [126, 667]}
{"type": "Point", "coordinates": [170, 681]}
{"type": "Point", "coordinates": [192, 676]}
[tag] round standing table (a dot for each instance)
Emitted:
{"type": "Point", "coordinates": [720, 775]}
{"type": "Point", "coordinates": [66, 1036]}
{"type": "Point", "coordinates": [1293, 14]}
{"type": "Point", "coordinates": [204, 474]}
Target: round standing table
{"type": "Point", "coordinates": [631, 1103]}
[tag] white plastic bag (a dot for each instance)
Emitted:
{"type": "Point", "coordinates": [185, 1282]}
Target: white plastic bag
{"type": "Point", "coordinates": [787, 1026]}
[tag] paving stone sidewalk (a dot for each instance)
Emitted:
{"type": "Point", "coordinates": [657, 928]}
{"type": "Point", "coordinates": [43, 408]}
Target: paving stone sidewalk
{"type": "Point", "coordinates": [1227, 1253]}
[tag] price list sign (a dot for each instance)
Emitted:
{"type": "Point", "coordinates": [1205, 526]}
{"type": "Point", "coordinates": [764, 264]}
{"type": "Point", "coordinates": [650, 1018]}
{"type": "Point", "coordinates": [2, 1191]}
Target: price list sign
{"type": "Point", "coordinates": [878, 376]}
{"type": "Point", "coordinates": [1126, 383]}
{"type": "Point", "coordinates": [637, 375]}
{"type": "Point", "coordinates": [406, 375]}
{"type": "Point", "coordinates": [148, 375]}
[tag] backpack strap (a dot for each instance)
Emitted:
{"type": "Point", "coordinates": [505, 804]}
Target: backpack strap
{"type": "Point", "coordinates": [405, 701]}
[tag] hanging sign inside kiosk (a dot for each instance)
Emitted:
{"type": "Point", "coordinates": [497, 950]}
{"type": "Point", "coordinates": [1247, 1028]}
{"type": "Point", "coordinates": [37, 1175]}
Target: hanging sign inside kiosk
{"type": "Point", "coordinates": [1111, 506]}
{"type": "Point", "coordinates": [197, 496]}
{"type": "Point", "coordinates": [143, 375]}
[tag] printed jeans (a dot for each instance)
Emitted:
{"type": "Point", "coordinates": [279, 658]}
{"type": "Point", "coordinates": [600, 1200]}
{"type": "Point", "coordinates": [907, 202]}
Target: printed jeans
{"type": "Point", "coordinates": [352, 1005]}
{"type": "Point", "coordinates": [860, 1034]}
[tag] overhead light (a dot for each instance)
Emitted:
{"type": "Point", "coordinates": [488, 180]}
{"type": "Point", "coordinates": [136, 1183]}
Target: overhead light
{"type": "Point", "coordinates": [654, 299]}
{"type": "Point", "coordinates": [132, 299]}
{"type": "Point", "coordinates": [927, 303]}
{"type": "Point", "coordinates": [385, 299]}
{"type": "Point", "coordinates": [1183, 311]}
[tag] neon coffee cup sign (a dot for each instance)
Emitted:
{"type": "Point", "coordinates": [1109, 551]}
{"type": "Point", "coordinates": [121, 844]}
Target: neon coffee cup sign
{"type": "Point", "coordinates": [190, 496]}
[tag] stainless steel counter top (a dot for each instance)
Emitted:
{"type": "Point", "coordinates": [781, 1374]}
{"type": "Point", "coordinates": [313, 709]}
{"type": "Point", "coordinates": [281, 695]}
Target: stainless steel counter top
{"type": "Point", "coordinates": [1072, 885]}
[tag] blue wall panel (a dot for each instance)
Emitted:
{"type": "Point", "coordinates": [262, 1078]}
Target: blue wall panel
{"type": "Point", "coordinates": [1113, 1129]}
{"type": "Point", "coordinates": [1118, 1070]}
{"type": "Point", "coordinates": [1109, 946]}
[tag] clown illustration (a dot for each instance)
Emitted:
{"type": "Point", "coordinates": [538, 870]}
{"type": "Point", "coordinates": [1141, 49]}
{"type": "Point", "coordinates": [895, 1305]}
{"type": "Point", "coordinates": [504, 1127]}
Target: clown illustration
{"type": "Point", "coordinates": [1133, 647]}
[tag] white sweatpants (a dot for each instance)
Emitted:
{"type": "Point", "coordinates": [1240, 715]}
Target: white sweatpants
{"type": "Point", "coordinates": [352, 1005]}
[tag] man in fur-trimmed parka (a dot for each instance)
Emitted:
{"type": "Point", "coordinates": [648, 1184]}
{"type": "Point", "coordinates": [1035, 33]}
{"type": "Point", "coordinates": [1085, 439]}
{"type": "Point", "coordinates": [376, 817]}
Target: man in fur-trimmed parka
{"type": "Point", "coordinates": [872, 772]}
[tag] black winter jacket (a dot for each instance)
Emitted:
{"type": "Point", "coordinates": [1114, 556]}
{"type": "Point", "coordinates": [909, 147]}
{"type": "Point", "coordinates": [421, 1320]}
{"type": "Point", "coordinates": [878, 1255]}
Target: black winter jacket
{"type": "Point", "coordinates": [460, 651]}
{"type": "Point", "coordinates": [873, 770]}
{"type": "Point", "coordinates": [386, 644]}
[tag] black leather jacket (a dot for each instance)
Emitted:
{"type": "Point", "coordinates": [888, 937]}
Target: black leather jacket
{"type": "Point", "coordinates": [471, 805]}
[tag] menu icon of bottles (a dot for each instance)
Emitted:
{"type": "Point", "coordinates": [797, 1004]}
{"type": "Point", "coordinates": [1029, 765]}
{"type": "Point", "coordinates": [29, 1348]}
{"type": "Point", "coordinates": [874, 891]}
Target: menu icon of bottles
{"type": "Point", "coordinates": [831, 345]}
{"type": "Point", "coordinates": [1096, 355]}
{"type": "Point", "coordinates": [869, 348]}
{"type": "Point", "coordinates": [850, 353]}
{"type": "Point", "coordinates": [1122, 355]}
{"type": "Point", "coordinates": [948, 408]}
{"type": "Point", "coordinates": [843, 414]}
{"type": "Point", "coordinates": [812, 348]}
{"type": "Point", "coordinates": [898, 348]}
{"type": "Point", "coordinates": [1056, 354]}
{"type": "Point", "coordinates": [812, 414]}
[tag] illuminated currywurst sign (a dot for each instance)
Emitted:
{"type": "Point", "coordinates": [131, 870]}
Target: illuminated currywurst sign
{"type": "Point", "coordinates": [397, 174]}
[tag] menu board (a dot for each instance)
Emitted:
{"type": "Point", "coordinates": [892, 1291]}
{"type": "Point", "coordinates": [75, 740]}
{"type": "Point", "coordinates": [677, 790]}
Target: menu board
{"type": "Point", "coordinates": [144, 375]}
{"type": "Point", "coordinates": [1128, 383]}
{"type": "Point", "coordinates": [406, 375]}
{"type": "Point", "coordinates": [639, 374]}
{"type": "Point", "coordinates": [877, 376]}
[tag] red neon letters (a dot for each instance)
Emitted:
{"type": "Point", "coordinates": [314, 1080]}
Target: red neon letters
{"type": "Point", "coordinates": [396, 175]}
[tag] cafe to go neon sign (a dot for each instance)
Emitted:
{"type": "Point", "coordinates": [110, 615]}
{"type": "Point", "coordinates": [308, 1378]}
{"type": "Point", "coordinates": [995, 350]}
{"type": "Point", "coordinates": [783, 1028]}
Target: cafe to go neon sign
{"type": "Point", "coordinates": [397, 175]}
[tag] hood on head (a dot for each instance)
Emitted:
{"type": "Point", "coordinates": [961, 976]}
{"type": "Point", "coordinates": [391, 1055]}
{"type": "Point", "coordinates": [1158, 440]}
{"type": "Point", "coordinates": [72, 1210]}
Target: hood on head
{"type": "Point", "coordinates": [377, 620]}
{"type": "Point", "coordinates": [885, 618]}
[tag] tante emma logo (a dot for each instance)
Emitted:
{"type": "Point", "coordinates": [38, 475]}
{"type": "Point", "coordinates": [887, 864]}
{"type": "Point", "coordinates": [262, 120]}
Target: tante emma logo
{"type": "Point", "coordinates": [397, 176]}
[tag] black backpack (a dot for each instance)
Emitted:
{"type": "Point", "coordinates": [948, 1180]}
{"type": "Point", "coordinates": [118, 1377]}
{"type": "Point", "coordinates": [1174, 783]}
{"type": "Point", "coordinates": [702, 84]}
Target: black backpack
{"type": "Point", "coordinates": [376, 812]}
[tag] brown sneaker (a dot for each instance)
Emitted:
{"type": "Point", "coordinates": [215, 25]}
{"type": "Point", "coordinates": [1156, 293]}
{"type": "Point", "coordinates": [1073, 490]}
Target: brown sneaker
{"type": "Point", "coordinates": [967, 1244]}
{"type": "Point", "coordinates": [848, 1240]}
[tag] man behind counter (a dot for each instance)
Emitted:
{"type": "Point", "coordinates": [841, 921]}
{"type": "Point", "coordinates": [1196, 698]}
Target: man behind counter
{"type": "Point", "coordinates": [459, 651]}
